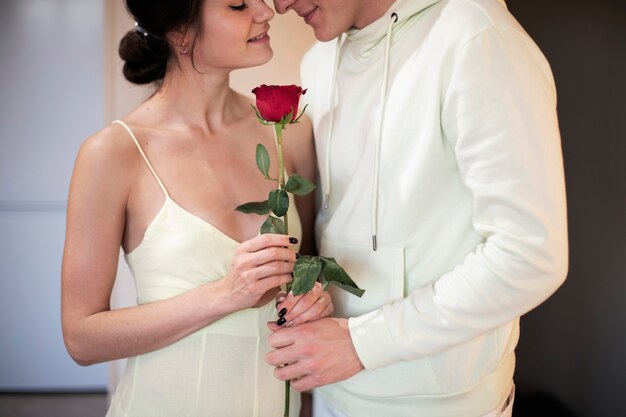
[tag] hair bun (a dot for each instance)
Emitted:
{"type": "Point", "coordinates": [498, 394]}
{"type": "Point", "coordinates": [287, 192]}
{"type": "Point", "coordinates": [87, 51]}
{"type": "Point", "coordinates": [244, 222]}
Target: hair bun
{"type": "Point", "coordinates": [145, 57]}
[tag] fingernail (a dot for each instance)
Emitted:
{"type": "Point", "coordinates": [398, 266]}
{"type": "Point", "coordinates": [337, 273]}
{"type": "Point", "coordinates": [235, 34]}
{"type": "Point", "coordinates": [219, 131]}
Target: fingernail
{"type": "Point", "coordinates": [297, 255]}
{"type": "Point", "coordinates": [282, 312]}
{"type": "Point", "coordinates": [293, 240]}
{"type": "Point", "coordinates": [281, 321]}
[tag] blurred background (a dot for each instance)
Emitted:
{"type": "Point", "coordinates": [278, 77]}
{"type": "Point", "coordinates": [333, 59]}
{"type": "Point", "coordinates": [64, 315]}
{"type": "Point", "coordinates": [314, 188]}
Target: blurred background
{"type": "Point", "coordinates": [60, 81]}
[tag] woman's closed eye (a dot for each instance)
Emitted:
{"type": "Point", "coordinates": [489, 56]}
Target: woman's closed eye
{"type": "Point", "coordinates": [241, 7]}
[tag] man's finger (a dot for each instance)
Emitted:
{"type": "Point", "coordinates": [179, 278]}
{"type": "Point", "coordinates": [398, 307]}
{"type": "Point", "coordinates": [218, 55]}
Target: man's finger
{"type": "Point", "coordinates": [305, 383]}
{"type": "Point", "coordinates": [292, 371]}
{"type": "Point", "coordinates": [285, 336]}
{"type": "Point", "coordinates": [280, 357]}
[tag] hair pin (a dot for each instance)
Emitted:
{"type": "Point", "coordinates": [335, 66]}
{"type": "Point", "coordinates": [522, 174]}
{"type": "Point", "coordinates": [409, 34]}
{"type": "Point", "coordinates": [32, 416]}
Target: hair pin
{"type": "Point", "coordinates": [141, 30]}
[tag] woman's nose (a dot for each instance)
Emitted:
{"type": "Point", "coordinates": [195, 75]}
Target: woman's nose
{"type": "Point", "coordinates": [264, 13]}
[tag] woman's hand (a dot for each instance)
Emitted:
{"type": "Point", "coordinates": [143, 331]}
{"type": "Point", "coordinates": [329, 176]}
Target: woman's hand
{"type": "Point", "coordinates": [260, 266]}
{"type": "Point", "coordinates": [297, 309]}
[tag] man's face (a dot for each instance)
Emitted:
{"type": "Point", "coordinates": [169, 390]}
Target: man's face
{"type": "Point", "coordinates": [328, 18]}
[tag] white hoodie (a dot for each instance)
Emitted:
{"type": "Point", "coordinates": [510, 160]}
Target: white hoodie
{"type": "Point", "coordinates": [465, 194]}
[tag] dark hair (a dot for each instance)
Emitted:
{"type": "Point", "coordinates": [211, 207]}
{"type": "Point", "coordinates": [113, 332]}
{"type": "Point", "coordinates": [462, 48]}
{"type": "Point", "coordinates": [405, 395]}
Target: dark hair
{"type": "Point", "coordinates": [146, 56]}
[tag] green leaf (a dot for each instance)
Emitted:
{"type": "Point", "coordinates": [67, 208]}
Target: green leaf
{"type": "Point", "coordinates": [273, 225]}
{"type": "Point", "coordinates": [305, 273]}
{"type": "Point", "coordinates": [349, 288]}
{"type": "Point", "coordinates": [279, 226]}
{"type": "Point", "coordinates": [279, 202]}
{"type": "Point", "coordinates": [301, 113]}
{"type": "Point", "coordinates": [261, 207]}
{"type": "Point", "coordinates": [263, 160]}
{"type": "Point", "coordinates": [286, 119]}
{"type": "Point", "coordinates": [336, 275]}
{"type": "Point", "coordinates": [259, 117]}
{"type": "Point", "coordinates": [299, 185]}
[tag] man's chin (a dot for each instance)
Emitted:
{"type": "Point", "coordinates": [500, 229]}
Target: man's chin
{"type": "Point", "coordinates": [324, 36]}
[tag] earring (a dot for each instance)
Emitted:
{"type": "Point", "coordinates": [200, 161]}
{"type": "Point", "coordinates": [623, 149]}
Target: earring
{"type": "Point", "coordinates": [182, 49]}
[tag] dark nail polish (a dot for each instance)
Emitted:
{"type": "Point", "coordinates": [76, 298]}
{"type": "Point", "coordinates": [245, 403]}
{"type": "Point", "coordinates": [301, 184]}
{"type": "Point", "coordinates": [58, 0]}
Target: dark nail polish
{"type": "Point", "coordinates": [297, 255]}
{"type": "Point", "coordinates": [282, 312]}
{"type": "Point", "coordinates": [281, 321]}
{"type": "Point", "coordinates": [293, 240]}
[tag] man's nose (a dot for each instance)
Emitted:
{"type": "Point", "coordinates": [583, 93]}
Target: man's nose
{"type": "Point", "coordinates": [282, 6]}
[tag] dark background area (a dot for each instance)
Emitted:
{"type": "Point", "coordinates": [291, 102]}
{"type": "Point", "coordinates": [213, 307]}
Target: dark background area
{"type": "Point", "coordinates": [572, 350]}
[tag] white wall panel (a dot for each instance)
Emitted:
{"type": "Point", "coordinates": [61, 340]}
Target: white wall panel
{"type": "Point", "coordinates": [51, 87]}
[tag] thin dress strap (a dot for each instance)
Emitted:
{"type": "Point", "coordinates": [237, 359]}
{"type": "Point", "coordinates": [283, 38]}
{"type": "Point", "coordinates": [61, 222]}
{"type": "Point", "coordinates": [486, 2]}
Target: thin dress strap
{"type": "Point", "coordinates": [145, 158]}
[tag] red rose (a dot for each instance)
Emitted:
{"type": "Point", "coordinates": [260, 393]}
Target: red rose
{"type": "Point", "coordinates": [275, 102]}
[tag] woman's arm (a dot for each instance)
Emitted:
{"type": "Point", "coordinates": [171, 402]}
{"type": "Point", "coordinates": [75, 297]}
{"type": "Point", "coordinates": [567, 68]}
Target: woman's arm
{"type": "Point", "coordinates": [95, 225]}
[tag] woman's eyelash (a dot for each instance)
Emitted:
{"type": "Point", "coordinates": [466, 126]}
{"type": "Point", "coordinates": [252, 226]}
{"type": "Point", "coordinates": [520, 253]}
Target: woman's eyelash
{"type": "Point", "coordinates": [241, 7]}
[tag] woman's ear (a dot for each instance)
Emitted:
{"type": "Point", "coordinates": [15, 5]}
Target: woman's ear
{"type": "Point", "coordinates": [179, 39]}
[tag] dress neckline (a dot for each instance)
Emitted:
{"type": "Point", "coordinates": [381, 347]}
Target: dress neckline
{"type": "Point", "coordinates": [204, 223]}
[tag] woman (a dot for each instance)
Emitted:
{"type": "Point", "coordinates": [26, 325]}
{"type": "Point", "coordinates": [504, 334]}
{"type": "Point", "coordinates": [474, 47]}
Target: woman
{"type": "Point", "coordinates": [163, 183]}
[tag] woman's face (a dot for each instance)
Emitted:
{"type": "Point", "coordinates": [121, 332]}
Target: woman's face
{"type": "Point", "coordinates": [233, 34]}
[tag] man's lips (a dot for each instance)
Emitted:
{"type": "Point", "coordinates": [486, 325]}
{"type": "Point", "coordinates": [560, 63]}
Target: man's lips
{"type": "Point", "coordinates": [308, 15]}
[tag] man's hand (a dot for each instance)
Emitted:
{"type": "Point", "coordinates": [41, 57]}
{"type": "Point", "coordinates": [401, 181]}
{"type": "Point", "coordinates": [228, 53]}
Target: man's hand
{"type": "Point", "coordinates": [316, 353]}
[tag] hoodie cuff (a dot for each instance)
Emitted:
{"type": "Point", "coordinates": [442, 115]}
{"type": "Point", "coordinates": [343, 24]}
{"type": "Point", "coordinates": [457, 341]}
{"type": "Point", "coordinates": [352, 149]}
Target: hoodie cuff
{"type": "Point", "coordinates": [372, 340]}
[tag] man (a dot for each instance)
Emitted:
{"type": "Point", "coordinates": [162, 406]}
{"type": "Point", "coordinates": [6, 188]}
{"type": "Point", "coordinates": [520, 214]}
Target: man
{"type": "Point", "coordinates": [440, 162]}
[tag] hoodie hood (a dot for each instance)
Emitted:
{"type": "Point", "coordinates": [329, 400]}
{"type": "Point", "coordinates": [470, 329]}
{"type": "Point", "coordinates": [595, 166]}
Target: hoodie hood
{"type": "Point", "coordinates": [361, 44]}
{"type": "Point", "coordinates": [362, 47]}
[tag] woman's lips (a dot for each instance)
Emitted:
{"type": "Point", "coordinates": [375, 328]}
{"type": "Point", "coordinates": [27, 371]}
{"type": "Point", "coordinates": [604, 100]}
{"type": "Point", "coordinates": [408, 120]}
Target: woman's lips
{"type": "Point", "coordinates": [264, 37]}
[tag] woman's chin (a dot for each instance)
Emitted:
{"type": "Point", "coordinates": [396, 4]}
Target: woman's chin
{"type": "Point", "coordinates": [259, 58]}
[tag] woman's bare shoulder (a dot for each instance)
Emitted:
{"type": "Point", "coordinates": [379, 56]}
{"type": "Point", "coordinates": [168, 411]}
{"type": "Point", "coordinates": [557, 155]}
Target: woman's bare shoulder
{"type": "Point", "coordinates": [110, 144]}
{"type": "Point", "coordinates": [106, 161]}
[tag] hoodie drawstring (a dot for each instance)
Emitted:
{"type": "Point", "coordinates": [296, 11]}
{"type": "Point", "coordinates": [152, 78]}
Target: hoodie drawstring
{"type": "Point", "coordinates": [327, 182]}
{"type": "Point", "coordinates": [383, 101]}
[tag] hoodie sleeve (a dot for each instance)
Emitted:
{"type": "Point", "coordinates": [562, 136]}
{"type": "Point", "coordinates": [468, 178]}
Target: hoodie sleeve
{"type": "Point", "coordinates": [499, 116]}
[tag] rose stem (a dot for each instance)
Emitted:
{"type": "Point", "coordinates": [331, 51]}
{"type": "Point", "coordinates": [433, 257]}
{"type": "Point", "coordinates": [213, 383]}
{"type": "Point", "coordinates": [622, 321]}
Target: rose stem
{"type": "Point", "coordinates": [278, 130]}
{"type": "Point", "coordinates": [287, 396]}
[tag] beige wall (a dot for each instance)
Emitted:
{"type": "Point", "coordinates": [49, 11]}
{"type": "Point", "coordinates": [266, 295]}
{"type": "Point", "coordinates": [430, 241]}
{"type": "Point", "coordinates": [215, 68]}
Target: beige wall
{"type": "Point", "coordinates": [290, 39]}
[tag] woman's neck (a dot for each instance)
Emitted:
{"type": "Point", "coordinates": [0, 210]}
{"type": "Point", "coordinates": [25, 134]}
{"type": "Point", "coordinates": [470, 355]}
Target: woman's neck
{"type": "Point", "coordinates": [193, 100]}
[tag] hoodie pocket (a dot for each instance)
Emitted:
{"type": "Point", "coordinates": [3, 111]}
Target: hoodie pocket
{"type": "Point", "coordinates": [380, 273]}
